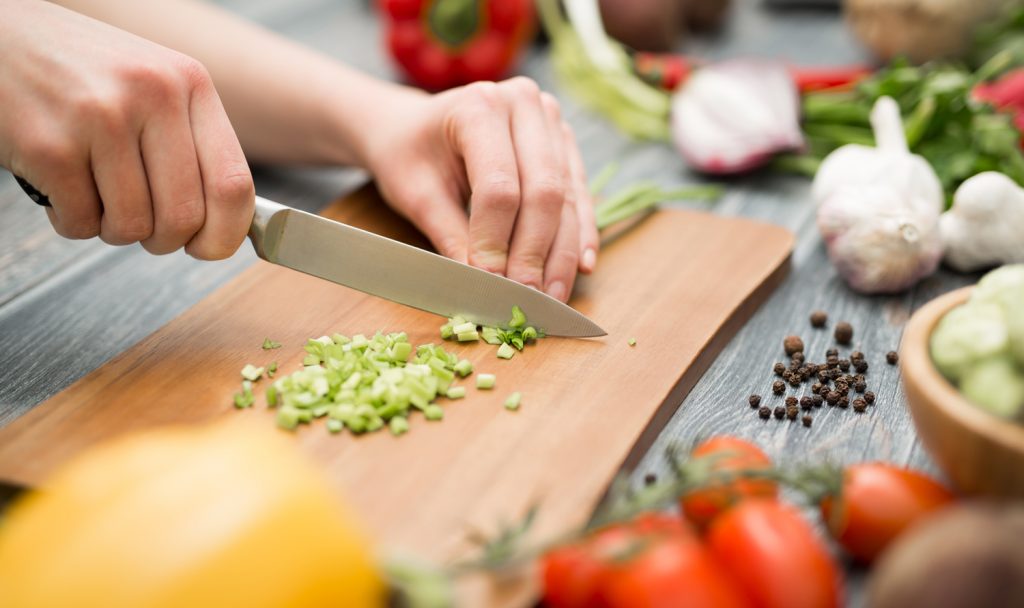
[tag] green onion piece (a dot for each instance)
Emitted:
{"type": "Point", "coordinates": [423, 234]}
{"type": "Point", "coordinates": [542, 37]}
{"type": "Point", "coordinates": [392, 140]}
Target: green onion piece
{"type": "Point", "coordinates": [530, 333]}
{"type": "Point", "coordinates": [320, 411]}
{"type": "Point", "coordinates": [311, 359]}
{"type": "Point", "coordinates": [335, 426]}
{"type": "Point", "coordinates": [305, 415]}
{"type": "Point", "coordinates": [398, 425]}
{"type": "Point", "coordinates": [518, 318]}
{"type": "Point", "coordinates": [506, 352]}
{"type": "Point", "coordinates": [244, 399]}
{"type": "Point", "coordinates": [272, 369]}
{"type": "Point", "coordinates": [490, 335]}
{"type": "Point", "coordinates": [272, 396]}
{"type": "Point", "coordinates": [464, 367]}
{"type": "Point", "coordinates": [513, 400]}
{"type": "Point", "coordinates": [469, 336]}
{"type": "Point", "coordinates": [288, 418]}
{"type": "Point", "coordinates": [269, 344]}
{"type": "Point", "coordinates": [632, 341]}
{"type": "Point", "coordinates": [251, 372]}
{"type": "Point", "coordinates": [446, 331]}
{"type": "Point", "coordinates": [463, 328]}
{"type": "Point", "coordinates": [485, 381]}
{"type": "Point", "coordinates": [433, 412]}
{"type": "Point", "coordinates": [456, 392]}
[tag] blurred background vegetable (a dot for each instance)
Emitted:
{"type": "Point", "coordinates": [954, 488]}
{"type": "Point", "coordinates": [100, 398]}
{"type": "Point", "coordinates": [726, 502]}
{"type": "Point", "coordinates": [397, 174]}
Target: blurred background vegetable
{"type": "Point", "coordinates": [444, 43]}
{"type": "Point", "coordinates": [985, 225]}
{"type": "Point", "coordinates": [218, 515]}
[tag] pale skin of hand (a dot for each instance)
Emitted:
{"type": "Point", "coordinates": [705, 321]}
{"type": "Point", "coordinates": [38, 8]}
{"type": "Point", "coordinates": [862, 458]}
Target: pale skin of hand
{"type": "Point", "coordinates": [500, 147]}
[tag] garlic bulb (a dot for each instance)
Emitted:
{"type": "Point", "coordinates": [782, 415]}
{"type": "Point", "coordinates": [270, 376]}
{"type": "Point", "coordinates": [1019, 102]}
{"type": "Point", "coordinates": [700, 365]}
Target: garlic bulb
{"type": "Point", "coordinates": [985, 225]}
{"type": "Point", "coordinates": [878, 209]}
{"type": "Point", "coordinates": [734, 116]}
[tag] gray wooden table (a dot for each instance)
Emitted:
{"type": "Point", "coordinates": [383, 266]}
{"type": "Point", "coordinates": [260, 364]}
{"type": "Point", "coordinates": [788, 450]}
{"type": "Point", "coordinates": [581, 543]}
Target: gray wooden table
{"type": "Point", "coordinates": [66, 307]}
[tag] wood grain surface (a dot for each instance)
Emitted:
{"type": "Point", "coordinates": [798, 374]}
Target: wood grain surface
{"type": "Point", "coordinates": [585, 402]}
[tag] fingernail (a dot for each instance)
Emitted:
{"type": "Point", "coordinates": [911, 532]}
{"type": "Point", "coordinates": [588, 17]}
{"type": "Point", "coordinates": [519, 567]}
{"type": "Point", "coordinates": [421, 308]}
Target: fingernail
{"type": "Point", "coordinates": [589, 259]}
{"type": "Point", "coordinates": [557, 290]}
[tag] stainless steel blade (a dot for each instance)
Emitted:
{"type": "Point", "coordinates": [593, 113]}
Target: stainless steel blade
{"type": "Point", "coordinates": [403, 273]}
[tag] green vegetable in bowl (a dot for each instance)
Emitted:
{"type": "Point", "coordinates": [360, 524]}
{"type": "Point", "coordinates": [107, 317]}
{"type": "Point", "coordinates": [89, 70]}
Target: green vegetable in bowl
{"type": "Point", "coordinates": [979, 346]}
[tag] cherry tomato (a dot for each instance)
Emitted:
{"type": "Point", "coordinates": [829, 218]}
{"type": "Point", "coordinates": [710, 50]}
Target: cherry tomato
{"type": "Point", "coordinates": [703, 506]}
{"type": "Point", "coordinates": [876, 503]}
{"type": "Point", "coordinates": [669, 571]}
{"type": "Point", "coordinates": [572, 574]}
{"type": "Point", "coordinates": [774, 556]}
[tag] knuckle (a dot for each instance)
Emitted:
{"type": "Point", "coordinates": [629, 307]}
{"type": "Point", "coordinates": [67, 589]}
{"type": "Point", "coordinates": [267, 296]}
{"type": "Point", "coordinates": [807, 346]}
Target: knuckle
{"type": "Point", "coordinates": [107, 112]}
{"type": "Point", "coordinates": [551, 106]}
{"type": "Point", "coordinates": [484, 92]}
{"type": "Point", "coordinates": [564, 259]}
{"type": "Point", "coordinates": [157, 80]}
{"type": "Point", "coordinates": [209, 252]}
{"type": "Point", "coordinates": [193, 73]}
{"type": "Point", "coordinates": [49, 152]}
{"type": "Point", "coordinates": [128, 229]}
{"type": "Point", "coordinates": [524, 87]}
{"type": "Point", "coordinates": [85, 228]}
{"type": "Point", "coordinates": [499, 192]}
{"type": "Point", "coordinates": [548, 192]}
{"type": "Point", "coordinates": [236, 187]}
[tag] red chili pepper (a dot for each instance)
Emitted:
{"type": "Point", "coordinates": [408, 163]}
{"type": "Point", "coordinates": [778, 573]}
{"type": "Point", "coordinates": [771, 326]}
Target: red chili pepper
{"type": "Point", "coordinates": [1006, 94]}
{"type": "Point", "coordinates": [444, 43]}
{"type": "Point", "coordinates": [669, 71]}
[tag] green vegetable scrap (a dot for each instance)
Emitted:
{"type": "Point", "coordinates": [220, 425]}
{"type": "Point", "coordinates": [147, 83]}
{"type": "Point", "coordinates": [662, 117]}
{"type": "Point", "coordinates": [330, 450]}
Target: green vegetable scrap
{"type": "Point", "coordinates": [362, 383]}
{"type": "Point", "coordinates": [632, 341]}
{"type": "Point", "coordinates": [517, 335]}
{"type": "Point", "coordinates": [640, 197]}
{"type": "Point", "coordinates": [513, 401]}
{"type": "Point", "coordinates": [957, 134]}
{"type": "Point", "coordinates": [979, 346]}
{"type": "Point", "coordinates": [251, 372]}
{"type": "Point", "coordinates": [272, 369]}
{"type": "Point", "coordinates": [485, 381]}
{"type": "Point", "coordinates": [269, 344]}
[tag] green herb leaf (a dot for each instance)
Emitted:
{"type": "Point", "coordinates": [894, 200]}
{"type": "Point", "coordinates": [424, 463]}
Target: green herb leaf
{"type": "Point", "coordinates": [269, 344]}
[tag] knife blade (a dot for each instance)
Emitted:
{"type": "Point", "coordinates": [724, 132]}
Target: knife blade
{"type": "Point", "coordinates": [402, 273]}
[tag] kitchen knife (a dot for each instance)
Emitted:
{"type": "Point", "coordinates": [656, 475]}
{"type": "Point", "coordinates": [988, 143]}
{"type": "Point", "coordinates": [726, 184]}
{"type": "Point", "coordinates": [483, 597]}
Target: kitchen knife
{"type": "Point", "coordinates": [395, 271]}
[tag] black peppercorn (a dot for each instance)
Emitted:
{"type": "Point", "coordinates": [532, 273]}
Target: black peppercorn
{"type": "Point", "coordinates": [844, 332]}
{"type": "Point", "coordinates": [817, 400]}
{"type": "Point", "coordinates": [792, 413]}
{"type": "Point", "coordinates": [842, 387]}
{"type": "Point", "coordinates": [755, 401]}
{"type": "Point", "coordinates": [806, 403]}
{"type": "Point", "coordinates": [795, 380]}
{"type": "Point", "coordinates": [832, 398]}
{"type": "Point", "coordinates": [650, 479]}
{"type": "Point", "coordinates": [819, 318]}
{"type": "Point", "coordinates": [861, 366]}
{"type": "Point", "coordinates": [791, 401]}
{"type": "Point", "coordinates": [869, 397]}
{"type": "Point", "coordinates": [859, 405]}
{"type": "Point", "coordinates": [860, 386]}
{"type": "Point", "coordinates": [844, 402]}
{"type": "Point", "coordinates": [855, 355]}
{"type": "Point", "coordinates": [807, 420]}
{"type": "Point", "coordinates": [799, 358]}
{"type": "Point", "coordinates": [832, 361]}
{"type": "Point", "coordinates": [892, 357]}
{"type": "Point", "coordinates": [779, 369]}
{"type": "Point", "coordinates": [844, 364]}
{"type": "Point", "coordinates": [792, 344]}
{"type": "Point", "coordinates": [764, 412]}
{"type": "Point", "coordinates": [780, 412]}
{"type": "Point", "coordinates": [823, 375]}
{"type": "Point", "coordinates": [812, 369]}
{"type": "Point", "coordinates": [778, 387]}
{"type": "Point", "coordinates": [832, 352]}
{"type": "Point", "coordinates": [816, 387]}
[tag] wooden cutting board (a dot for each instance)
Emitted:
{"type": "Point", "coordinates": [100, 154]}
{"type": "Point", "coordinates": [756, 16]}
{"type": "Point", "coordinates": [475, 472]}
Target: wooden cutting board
{"type": "Point", "coordinates": [680, 283]}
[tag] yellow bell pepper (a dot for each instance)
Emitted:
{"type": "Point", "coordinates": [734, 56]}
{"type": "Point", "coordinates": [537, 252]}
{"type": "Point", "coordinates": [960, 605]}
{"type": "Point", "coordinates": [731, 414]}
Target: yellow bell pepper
{"type": "Point", "coordinates": [224, 515]}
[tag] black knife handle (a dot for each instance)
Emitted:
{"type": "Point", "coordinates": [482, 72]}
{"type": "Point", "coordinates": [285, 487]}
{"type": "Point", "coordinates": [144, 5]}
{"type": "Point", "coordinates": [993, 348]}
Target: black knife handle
{"type": "Point", "coordinates": [37, 197]}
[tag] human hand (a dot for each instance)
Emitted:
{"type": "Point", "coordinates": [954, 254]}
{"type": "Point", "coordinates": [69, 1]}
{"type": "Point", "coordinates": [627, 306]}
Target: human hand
{"type": "Point", "coordinates": [504, 148]}
{"type": "Point", "coordinates": [128, 139]}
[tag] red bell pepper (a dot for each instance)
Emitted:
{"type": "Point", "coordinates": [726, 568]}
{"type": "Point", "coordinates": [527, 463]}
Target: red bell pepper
{"type": "Point", "coordinates": [1007, 95]}
{"type": "Point", "coordinates": [444, 43]}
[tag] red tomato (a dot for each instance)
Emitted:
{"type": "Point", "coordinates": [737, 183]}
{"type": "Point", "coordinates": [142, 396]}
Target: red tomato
{"type": "Point", "coordinates": [703, 506]}
{"type": "Point", "coordinates": [669, 571]}
{"type": "Point", "coordinates": [877, 502]}
{"type": "Point", "coordinates": [572, 574]}
{"type": "Point", "coordinates": [774, 556]}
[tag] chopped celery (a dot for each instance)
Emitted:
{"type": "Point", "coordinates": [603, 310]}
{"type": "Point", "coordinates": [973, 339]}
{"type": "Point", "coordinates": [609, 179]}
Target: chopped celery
{"type": "Point", "coordinates": [456, 392]}
{"type": "Point", "coordinates": [490, 335]}
{"type": "Point", "coordinates": [311, 359]}
{"type": "Point", "coordinates": [446, 331]}
{"type": "Point", "coordinates": [485, 381]}
{"type": "Point", "coordinates": [518, 318]}
{"type": "Point", "coordinates": [272, 369]}
{"type": "Point", "coordinates": [530, 333]}
{"type": "Point", "coordinates": [469, 336]}
{"type": "Point", "coordinates": [513, 400]}
{"type": "Point", "coordinates": [272, 396]}
{"type": "Point", "coordinates": [399, 425]}
{"type": "Point", "coordinates": [269, 344]}
{"type": "Point", "coordinates": [506, 351]}
{"type": "Point", "coordinates": [464, 368]}
{"type": "Point", "coordinates": [632, 341]}
{"type": "Point", "coordinates": [245, 398]}
{"type": "Point", "coordinates": [288, 417]}
{"type": "Point", "coordinates": [433, 412]}
{"type": "Point", "coordinates": [335, 426]}
{"type": "Point", "coordinates": [251, 372]}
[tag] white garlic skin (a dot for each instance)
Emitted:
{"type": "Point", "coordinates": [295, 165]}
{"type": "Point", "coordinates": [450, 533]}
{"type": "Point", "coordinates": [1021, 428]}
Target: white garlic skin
{"type": "Point", "coordinates": [876, 241]}
{"type": "Point", "coordinates": [878, 209]}
{"type": "Point", "coordinates": [985, 225]}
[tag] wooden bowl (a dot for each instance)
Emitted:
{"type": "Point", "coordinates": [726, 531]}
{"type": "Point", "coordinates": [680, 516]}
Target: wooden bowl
{"type": "Point", "coordinates": [982, 454]}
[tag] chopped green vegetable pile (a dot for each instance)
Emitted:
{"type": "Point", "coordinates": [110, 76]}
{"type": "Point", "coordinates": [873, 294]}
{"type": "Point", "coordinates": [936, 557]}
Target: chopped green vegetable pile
{"type": "Point", "coordinates": [366, 384]}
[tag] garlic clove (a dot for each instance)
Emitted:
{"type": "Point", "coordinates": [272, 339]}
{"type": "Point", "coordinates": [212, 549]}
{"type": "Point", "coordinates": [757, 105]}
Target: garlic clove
{"type": "Point", "coordinates": [734, 116]}
{"type": "Point", "coordinates": [985, 225]}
